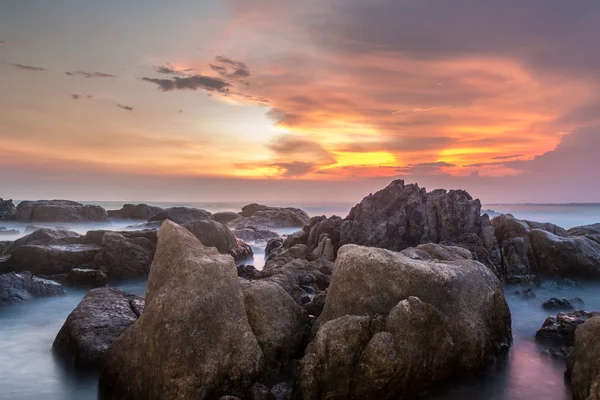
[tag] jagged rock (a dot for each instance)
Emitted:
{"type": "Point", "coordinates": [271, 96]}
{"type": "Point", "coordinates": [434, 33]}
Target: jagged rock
{"type": "Point", "coordinates": [583, 362]}
{"type": "Point", "coordinates": [560, 330]}
{"type": "Point", "coordinates": [86, 278]}
{"type": "Point", "coordinates": [277, 321]}
{"type": "Point", "coordinates": [135, 211]}
{"type": "Point", "coordinates": [517, 268]}
{"type": "Point", "coordinates": [560, 303]}
{"type": "Point", "coordinates": [181, 215]}
{"type": "Point", "coordinates": [258, 215]}
{"type": "Point", "coordinates": [273, 248]}
{"type": "Point", "coordinates": [248, 272]}
{"type": "Point", "coordinates": [566, 256]}
{"type": "Point", "coordinates": [8, 210]}
{"type": "Point", "coordinates": [193, 339]}
{"type": "Point", "coordinates": [393, 325]}
{"type": "Point", "coordinates": [252, 234]}
{"type": "Point", "coordinates": [101, 317]}
{"type": "Point", "coordinates": [225, 217]}
{"type": "Point", "coordinates": [59, 211]}
{"type": "Point", "coordinates": [121, 258]}
{"type": "Point", "coordinates": [18, 288]}
{"type": "Point", "coordinates": [215, 234]}
{"type": "Point", "coordinates": [325, 249]}
{"type": "Point", "coordinates": [593, 229]}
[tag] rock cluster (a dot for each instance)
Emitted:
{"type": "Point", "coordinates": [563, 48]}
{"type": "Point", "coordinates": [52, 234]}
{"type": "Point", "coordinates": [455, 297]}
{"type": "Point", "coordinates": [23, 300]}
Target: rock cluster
{"type": "Point", "coordinates": [135, 211]}
{"type": "Point", "coordinates": [266, 217]}
{"type": "Point", "coordinates": [18, 288]}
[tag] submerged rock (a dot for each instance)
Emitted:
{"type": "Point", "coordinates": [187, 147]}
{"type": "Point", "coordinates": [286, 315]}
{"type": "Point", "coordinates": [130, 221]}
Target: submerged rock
{"type": "Point", "coordinates": [193, 339]}
{"type": "Point", "coordinates": [86, 278]}
{"type": "Point", "coordinates": [560, 330]}
{"type": "Point", "coordinates": [181, 215]}
{"type": "Point", "coordinates": [59, 211]}
{"type": "Point", "coordinates": [583, 362]}
{"type": "Point", "coordinates": [18, 288]}
{"type": "Point", "coordinates": [101, 317]}
{"type": "Point", "coordinates": [560, 303]}
{"type": "Point", "coordinates": [135, 211]}
{"type": "Point", "coordinates": [393, 324]}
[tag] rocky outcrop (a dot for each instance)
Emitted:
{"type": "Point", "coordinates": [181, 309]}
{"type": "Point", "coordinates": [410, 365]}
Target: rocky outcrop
{"type": "Point", "coordinates": [193, 339]}
{"type": "Point", "coordinates": [252, 234]}
{"type": "Point", "coordinates": [18, 288]}
{"type": "Point", "coordinates": [395, 323]}
{"type": "Point", "coordinates": [86, 278]}
{"type": "Point", "coordinates": [215, 234]}
{"type": "Point", "coordinates": [101, 317]}
{"type": "Point", "coordinates": [583, 362]}
{"type": "Point", "coordinates": [577, 256]}
{"type": "Point", "coordinates": [591, 231]}
{"type": "Point", "coordinates": [121, 257]}
{"type": "Point", "coordinates": [402, 216]}
{"type": "Point", "coordinates": [135, 211]}
{"type": "Point", "coordinates": [225, 217]}
{"type": "Point", "coordinates": [560, 330]}
{"type": "Point", "coordinates": [181, 215]}
{"type": "Point", "coordinates": [46, 236]}
{"type": "Point", "coordinates": [261, 216]}
{"type": "Point", "coordinates": [59, 211]}
{"type": "Point", "coordinates": [277, 321]}
{"type": "Point", "coordinates": [8, 211]}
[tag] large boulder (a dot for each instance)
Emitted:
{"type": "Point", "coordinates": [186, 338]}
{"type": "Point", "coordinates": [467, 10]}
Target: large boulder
{"type": "Point", "coordinates": [402, 216]}
{"type": "Point", "coordinates": [121, 257]}
{"type": "Point", "coordinates": [560, 330]}
{"type": "Point", "coordinates": [259, 215]}
{"type": "Point", "coordinates": [18, 288]}
{"type": "Point", "coordinates": [45, 236]}
{"type": "Point", "coordinates": [577, 256]}
{"type": "Point", "coordinates": [395, 323]}
{"type": "Point", "coordinates": [277, 321]}
{"type": "Point", "coordinates": [181, 215]}
{"type": "Point", "coordinates": [135, 211]}
{"type": "Point", "coordinates": [193, 340]}
{"type": "Point", "coordinates": [101, 317]}
{"type": "Point", "coordinates": [225, 217]}
{"type": "Point", "coordinates": [59, 211]}
{"type": "Point", "coordinates": [215, 234]}
{"type": "Point", "coordinates": [583, 362]}
{"type": "Point", "coordinates": [252, 234]}
{"type": "Point", "coordinates": [8, 211]}
{"type": "Point", "coordinates": [48, 260]}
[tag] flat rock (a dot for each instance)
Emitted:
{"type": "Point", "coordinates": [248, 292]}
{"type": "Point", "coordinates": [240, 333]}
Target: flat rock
{"type": "Point", "coordinates": [135, 211]}
{"type": "Point", "coordinates": [181, 215]}
{"type": "Point", "coordinates": [18, 288]}
{"type": "Point", "coordinates": [59, 211]}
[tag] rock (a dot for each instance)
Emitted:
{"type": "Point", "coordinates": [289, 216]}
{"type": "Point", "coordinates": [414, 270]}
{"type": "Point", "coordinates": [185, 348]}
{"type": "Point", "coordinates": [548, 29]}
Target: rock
{"type": "Point", "coordinates": [95, 324]}
{"type": "Point", "coordinates": [273, 248]}
{"type": "Point", "coordinates": [46, 236]}
{"type": "Point", "coordinates": [8, 210]}
{"type": "Point", "coordinates": [393, 325]}
{"type": "Point", "coordinates": [576, 256]}
{"type": "Point", "coordinates": [281, 391]}
{"type": "Point", "coordinates": [517, 268]}
{"type": "Point", "coordinates": [560, 303]}
{"type": "Point", "coordinates": [59, 211]}
{"type": "Point", "coordinates": [252, 234]}
{"type": "Point", "coordinates": [18, 288]}
{"type": "Point", "coordinates": [258, 215]}
{"type": "Point", "coordinates": [193, 340]}
{"type": "Point", "coordinates": [325, 250]}
{"type": "Point", "coordinates": [402, 216]}
{"type": "Point", "coordinates": [145, 226]}
{"type": "Point", "coordinates": [583, 362]}
{"type": "Point", "coordinates": [248, 272]}
{"type": "Point", "coordinates": [526, 294]}
{"type": "Point", "coordinates": [548, 227]}
{"type": "Point", "coordinates": [87, 278]}
{"type": "Point", "coordinates": [225, 217]}
{"type": "Point", "coordinates": [560, 330]}
{"type": "Point", "coordinates": [586, 230]}
{"type": "Point", "coordinates": [277, 321]}
{"type": "Point", "coordinates": [121, 258]}
{"type": "Point", "coordinates": [181, 215]}
{"type": "Point", "coordinates": [315, 306]}
{"type": "Point", "coordinates": [49, 259]}
{"type": "Point", "coordinates": [215, 234]}
{"type": "Point", "coordinates": [3, 246]}
{"type": "Point", "coordinates": [319, 227]}
{"type": "Point", "coordinates": [135, 211]}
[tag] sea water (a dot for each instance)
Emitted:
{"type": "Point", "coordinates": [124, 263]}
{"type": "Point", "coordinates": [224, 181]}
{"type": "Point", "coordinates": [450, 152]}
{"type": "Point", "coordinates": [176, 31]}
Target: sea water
{"type": "Point", "coordinates": [29, 370]}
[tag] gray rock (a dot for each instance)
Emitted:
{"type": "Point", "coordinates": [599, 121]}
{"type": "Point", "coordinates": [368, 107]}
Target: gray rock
{"type": "Point", "coordinates": [583, 362]}
{"type": "Point", "coordinates": [277, 321]}
{"type": "Point", "coordinates": [86, 278]}
{"type": "Point", "coordinates": [193, 339]}
{"type": "Point", "coordinates": [395, 323]}
{"type": "Point", "coordinates": [46, 236]}
{"type": "Point", "coordinates": [215, 234]}
{"type": "Point", "coordinates": [122, 258]}
{"type": "Point", "coordinates": [59, 211]}
{"type": "Point", "coordinates": [225, 217]}
{"type": "Point", "coordinates": [49, 259]}
{"type": "Point", "coordinates": [560, 303]}
{"type": "Point", "coordinates": [252, 234]}
{"type": "Point", "coordinates": [261, 216]}
{"type": "Point", "coordinates": [18, 288]}
{"type": "Point", "coordinates": [8, 210]}
{"type": "Point", "coordinates": [560, 330]}
{"type": "Point", "coordinates": [181, 215]}
{"type": "Point", "coordinates": [576, 256]}
{"type": "Point", "coordinates": [95, 324]}
{"type": "Point", "coordinates": [135, 211]}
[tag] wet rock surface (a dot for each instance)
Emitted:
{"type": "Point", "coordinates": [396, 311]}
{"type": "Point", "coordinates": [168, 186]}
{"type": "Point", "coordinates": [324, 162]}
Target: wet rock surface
{"type": "Point", "coordinates": [19, 288]}
{"type": "Point", "coordinates": [583, 362]}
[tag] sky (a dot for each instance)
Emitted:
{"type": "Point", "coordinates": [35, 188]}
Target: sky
{"type": "Point", "coordinates": [303, 100]}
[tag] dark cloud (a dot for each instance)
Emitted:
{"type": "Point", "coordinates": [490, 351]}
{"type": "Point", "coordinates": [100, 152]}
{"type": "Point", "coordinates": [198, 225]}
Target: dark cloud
{"type": "Point", "coordinates": [90, 74]}
{"type": "Point", "coordinates": [75, 96]}
{"type": "Point", "coordinates": [194, 82]}
{"type": "Point", "coordinates": [424, 168]}
{"type": "Point", "coordinates": [486, 164]}
{"type": "Point", "coordinates": [296, 169]}
{"type": "Point", "coordinates": [168, 69]}
{"type": "Point", "coordinates": [125, 107]}
{"type": "Point", "coordinates": [28, 67]}
{"type": "Point", "coordinates": [230, 69]}
{"type": "Point", "coordinates": [507, 157]}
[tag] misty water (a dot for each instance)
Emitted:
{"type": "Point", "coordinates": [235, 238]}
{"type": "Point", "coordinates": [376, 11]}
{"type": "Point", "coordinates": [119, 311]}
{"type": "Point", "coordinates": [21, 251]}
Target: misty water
{"type": "Point", "coordinates": [29, 370]}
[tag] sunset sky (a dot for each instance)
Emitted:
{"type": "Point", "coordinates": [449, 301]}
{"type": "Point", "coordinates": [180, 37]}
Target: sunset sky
{"type": "Point", "coordinates": [322, 100]}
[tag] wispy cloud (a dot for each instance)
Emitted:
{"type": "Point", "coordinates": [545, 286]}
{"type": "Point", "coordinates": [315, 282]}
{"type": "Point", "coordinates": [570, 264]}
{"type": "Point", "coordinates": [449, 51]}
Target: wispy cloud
{"type": "Point", "coordinates": [194, 82]}
{"type": "Point", "coordinates": [90, 74]}
{"type": "Point", "coordinates": [28, 67]}
{"type": "Point", "coordinates": [128, 108]}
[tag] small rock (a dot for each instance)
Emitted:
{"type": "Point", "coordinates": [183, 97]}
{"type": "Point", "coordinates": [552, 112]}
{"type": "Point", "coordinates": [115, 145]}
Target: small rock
{"type": "Point", "coordinates": [281, 391]}
{"type": "Point", "coordinates": [560, 303]}
{"type": "Point", "coordinates": [83, 277]}
{"type": "Point", "coordinates": [526, 294]}
{"type": "Point", "coordinates": [18, 288]}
